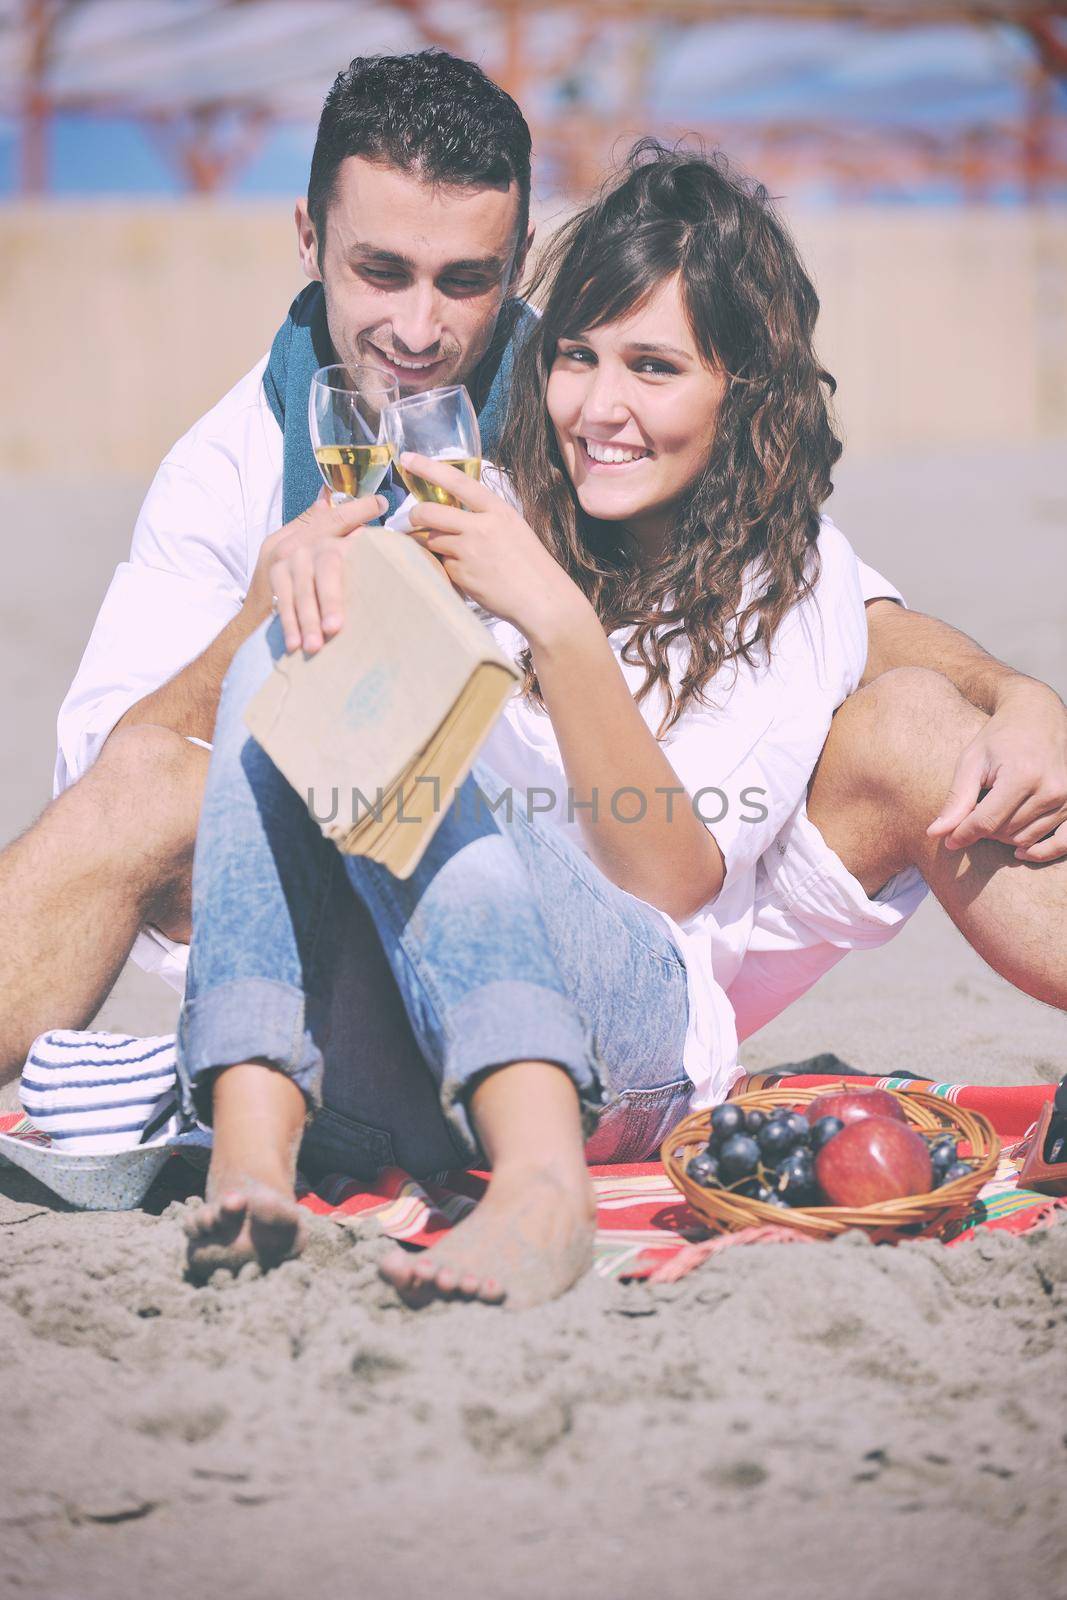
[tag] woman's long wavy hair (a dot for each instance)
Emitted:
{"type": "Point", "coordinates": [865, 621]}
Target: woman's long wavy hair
{"type": "Point", "coordinates": [742, 550]}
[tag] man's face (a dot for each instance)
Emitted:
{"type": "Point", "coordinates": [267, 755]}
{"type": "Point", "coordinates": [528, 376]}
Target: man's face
{"type": "Point", "coordinates": [414, 274]}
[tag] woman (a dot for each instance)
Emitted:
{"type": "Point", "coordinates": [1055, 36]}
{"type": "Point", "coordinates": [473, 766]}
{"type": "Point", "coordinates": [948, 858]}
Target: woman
{"type": "Point", "coordinates": [687, 626]}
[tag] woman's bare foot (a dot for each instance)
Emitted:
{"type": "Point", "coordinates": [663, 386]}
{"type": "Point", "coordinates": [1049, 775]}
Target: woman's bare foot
{"type": "Point", "coordinates": [250, 1213]}
{"type": "Point", "coordinates": [242, 1220]}
{"type": "Point", "coordinates": [530, 1239]}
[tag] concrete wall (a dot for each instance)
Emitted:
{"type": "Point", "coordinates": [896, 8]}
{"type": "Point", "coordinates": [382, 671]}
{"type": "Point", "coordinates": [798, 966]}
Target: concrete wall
{"type": "Point", "coordinates": [943, 328]}
{"type": "Point", "coordinates": [120, 324]}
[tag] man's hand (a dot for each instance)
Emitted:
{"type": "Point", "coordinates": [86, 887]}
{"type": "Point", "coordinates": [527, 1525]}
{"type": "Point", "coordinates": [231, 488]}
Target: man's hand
{"type": "Point", "coordinates": [1010, 783]}
{"type": "Point", "coordinates": [301, 565]}
{"type": "Point", "coordinates": [188, 703]}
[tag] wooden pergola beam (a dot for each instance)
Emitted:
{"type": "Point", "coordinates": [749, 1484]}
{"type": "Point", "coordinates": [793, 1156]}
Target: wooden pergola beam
{"type": "Point", "coordinates": [39, 18]}
{"type": "Point", "coordinates": [206, 157]}
{"type": "Point", "coordinates": [1051, 49]}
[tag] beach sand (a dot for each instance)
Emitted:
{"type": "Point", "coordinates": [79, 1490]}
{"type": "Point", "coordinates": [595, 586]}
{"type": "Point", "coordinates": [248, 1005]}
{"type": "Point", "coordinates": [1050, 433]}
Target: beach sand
{"type": "Point", "coordinates": [826, 1421]}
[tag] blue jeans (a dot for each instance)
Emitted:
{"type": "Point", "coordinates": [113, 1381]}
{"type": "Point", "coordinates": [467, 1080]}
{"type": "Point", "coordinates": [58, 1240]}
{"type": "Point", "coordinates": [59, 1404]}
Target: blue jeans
{"type": "Point", "coordinates": [386, 999]}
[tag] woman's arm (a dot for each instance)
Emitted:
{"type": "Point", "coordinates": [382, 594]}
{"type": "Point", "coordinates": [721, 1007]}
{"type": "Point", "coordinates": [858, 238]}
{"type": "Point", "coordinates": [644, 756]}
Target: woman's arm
{"type": "Point", "coordinates": [649, 841]}
{"type": "Point", "coordinates": [636, 819]}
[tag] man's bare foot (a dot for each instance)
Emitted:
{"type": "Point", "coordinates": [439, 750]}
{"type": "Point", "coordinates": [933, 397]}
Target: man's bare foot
{"type": "Point", "coordinates": [530, 1239]}
{"type": "Point", "coordinates": [244, 1219]}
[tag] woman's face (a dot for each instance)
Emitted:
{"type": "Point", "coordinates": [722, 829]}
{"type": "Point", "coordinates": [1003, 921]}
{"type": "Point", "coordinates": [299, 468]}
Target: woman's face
{"type": "Point", "coordinates": [634, 405]}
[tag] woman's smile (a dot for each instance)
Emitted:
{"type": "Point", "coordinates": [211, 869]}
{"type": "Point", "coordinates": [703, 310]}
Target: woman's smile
{"type": "Point", "coordinates": [600, 455]}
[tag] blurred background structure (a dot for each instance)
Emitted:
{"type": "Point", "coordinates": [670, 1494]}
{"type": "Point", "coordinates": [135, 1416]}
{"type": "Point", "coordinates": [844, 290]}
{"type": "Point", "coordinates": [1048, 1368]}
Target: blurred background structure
{"type": "Point", "coordinates": [861, 97]}
{"type": "Point", "coordinates": [150, 151]}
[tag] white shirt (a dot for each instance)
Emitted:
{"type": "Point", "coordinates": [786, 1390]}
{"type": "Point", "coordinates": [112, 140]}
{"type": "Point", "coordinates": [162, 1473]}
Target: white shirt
{"type": "Point", "coordinates": [215, 498]}
{"type": "Point", "coordinates": [744, 762]}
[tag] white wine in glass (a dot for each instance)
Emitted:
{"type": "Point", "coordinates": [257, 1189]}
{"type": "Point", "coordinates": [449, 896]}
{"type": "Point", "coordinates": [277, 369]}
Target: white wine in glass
{"type": "Point", "coordinates": [441, 424]}
{"type": "Point", "coordinates": [352, 469]}
{"type": "Point", "coordinates": [345, 409]}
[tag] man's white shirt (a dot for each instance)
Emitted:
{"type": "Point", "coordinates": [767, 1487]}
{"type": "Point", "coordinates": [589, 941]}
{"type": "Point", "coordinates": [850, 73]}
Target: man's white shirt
{"type": "Point", "coordinates": [215, 499]}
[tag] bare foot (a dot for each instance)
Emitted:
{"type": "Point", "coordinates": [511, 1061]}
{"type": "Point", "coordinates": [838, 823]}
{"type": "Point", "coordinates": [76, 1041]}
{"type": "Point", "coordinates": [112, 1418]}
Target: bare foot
{"type": "Point", "coordinates": [246, 1219]}
{"type": "Point", "coordinates": [530, 1239]}
{"type": "Point", "coordinates": [250, 1213]}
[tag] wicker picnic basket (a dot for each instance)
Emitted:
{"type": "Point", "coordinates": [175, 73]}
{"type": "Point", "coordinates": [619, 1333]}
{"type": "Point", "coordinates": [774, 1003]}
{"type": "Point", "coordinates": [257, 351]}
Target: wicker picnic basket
{"type": "Point", "coordinates": [914, 1216]}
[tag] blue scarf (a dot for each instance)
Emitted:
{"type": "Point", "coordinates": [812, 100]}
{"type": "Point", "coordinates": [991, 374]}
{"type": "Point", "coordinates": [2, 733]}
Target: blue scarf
{"type": "Point", "coordinates": [302, 344]}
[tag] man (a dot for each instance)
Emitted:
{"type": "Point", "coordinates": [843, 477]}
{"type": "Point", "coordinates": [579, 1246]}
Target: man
{"type": "Point", "coordinates": [414, 234]}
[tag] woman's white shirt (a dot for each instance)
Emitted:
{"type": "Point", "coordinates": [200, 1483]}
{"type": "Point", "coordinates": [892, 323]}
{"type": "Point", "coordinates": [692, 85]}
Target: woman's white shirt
{"type": "Point", "coordinates": [744, 759]}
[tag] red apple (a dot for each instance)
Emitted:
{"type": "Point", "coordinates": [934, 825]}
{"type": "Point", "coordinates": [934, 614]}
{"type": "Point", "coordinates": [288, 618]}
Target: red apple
{"type": "Point", "coordinates": [851, 1104]}
{"type": "Point", "coordinates": [873, 1159]}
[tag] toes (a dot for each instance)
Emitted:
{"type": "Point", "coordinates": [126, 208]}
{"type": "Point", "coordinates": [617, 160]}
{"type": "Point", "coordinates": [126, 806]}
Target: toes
{"type": "Point", "coordinates": [201, 1260]}
{"type": "Point", "coordinates": [408, 1276]}
{"type": "Point", "coordinates": [275, 1239]}
{"type": "Point", "coordinates": [422, 1278]}
{"type": "Point", "coordinates": [396, 1268]}
{"type": "Point", "coordinates": [238, 1227]}
{"type": "Point", "coordinates": [418, 1279]}
{"type": "Point", "coordinates": [415, 1292]}
{"type": "Point", "coordinates": [452, 1284]}
{"type": "Point", "coordinates": [220, 1221]}
{"type": "Point", "coordinates": [433, 1280]}
{"type": "Point", "coordinates": [198, 1222]}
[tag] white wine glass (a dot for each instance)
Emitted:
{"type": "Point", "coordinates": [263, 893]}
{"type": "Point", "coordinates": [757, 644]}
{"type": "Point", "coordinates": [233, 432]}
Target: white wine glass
{"type": "Point", "coordinates": [441, 424]}
{"type": "Point", "coordinates": [345, 409]}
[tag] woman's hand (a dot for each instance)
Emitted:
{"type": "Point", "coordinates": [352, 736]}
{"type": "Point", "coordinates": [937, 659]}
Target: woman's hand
{"type": "Point", "coordinates": [303, 571]}
{"type": "Point", "coordinates": [492, 555]}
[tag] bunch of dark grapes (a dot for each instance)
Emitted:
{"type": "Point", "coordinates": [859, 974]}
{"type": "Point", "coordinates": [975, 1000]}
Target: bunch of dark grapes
{"type": "Point", "coordinates": [768, 1156]}
{"type": "Point", "coordinates": [945, 1159]}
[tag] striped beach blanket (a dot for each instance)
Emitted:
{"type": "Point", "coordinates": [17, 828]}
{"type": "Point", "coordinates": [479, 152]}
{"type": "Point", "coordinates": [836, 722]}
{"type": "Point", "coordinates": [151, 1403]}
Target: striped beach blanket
{"type": "Point", "coordinates": [646, 1230]}
{"type": "Point", "coordinates": [644, 1227]}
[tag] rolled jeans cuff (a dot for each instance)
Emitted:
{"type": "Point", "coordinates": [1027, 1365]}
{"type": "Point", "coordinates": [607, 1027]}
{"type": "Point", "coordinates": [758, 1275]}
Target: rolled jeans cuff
{"type": "Point", "coordinates": [248, 1019]}
{"type": "Point", "coordinates": [514, 1021]}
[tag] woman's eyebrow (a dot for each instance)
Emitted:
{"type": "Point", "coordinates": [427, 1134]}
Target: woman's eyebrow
{"type": "Point", "coordinates": [661, 350]}
{"type": "Point", "coordinates": [637, 348]}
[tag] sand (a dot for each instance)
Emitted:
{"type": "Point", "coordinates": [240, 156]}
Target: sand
{"type": "Point", "coordinates": [823, 1421]}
